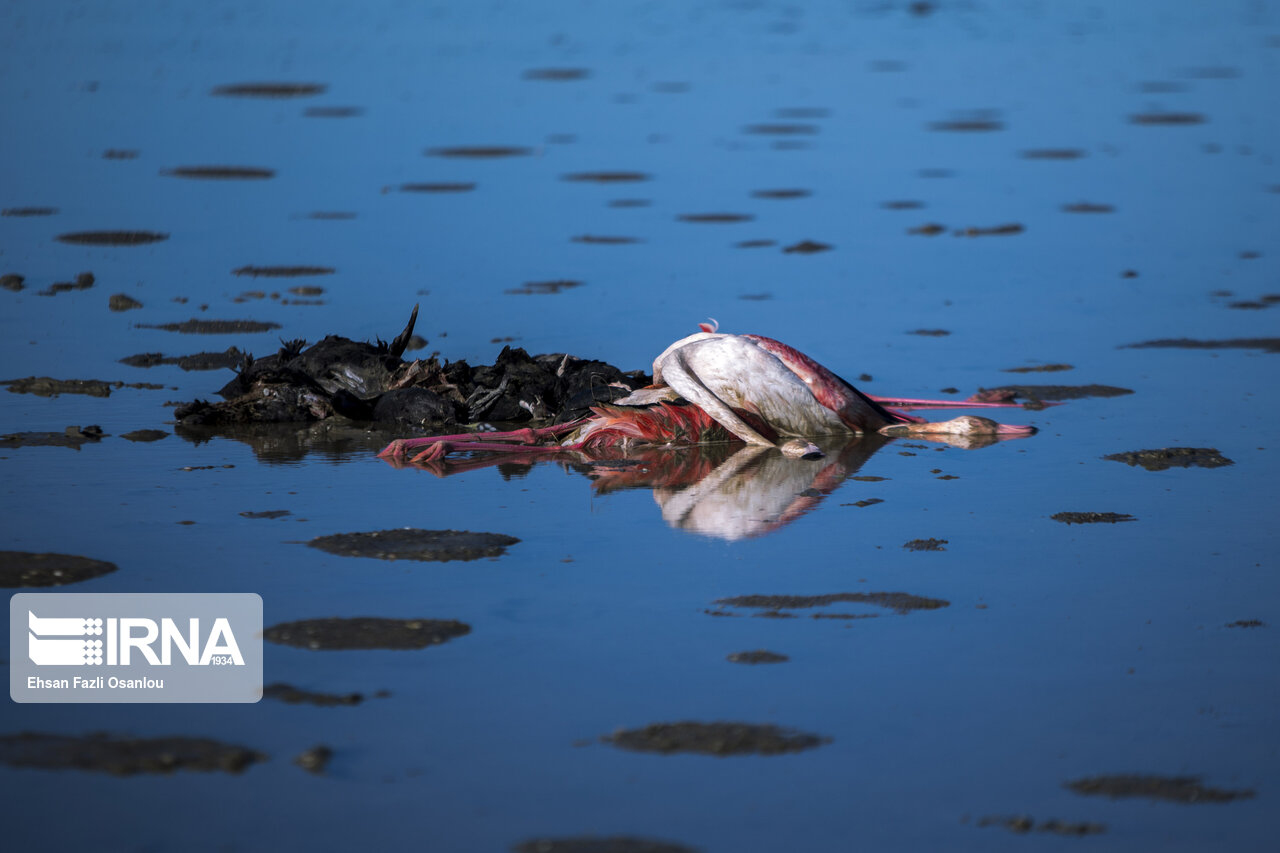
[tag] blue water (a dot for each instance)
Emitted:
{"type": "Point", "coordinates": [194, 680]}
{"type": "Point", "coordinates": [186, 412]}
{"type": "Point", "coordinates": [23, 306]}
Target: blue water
{"type": "Point", "coordinates": [1066, 651]}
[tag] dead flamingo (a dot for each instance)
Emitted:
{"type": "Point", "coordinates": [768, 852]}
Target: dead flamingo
{"type": "Point", "coordinates": [713, 386]}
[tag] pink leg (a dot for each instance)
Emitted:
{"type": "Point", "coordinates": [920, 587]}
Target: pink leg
{"type": "Point", "coordinates": [526, 436]}
{"type": "Point", "coordinates": [911, 403]}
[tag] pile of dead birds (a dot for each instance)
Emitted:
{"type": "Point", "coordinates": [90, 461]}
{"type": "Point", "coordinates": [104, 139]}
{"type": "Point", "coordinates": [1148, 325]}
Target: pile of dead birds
{"type": "Point", "coordinates": [339, 377]}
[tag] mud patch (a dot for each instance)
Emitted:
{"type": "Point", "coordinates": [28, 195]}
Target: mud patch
{"type": "Point", "coordinates": [330, 215]}
{"type": "Point", "coordinates": [12, 281]}
{"type": "Point", "coordinates": [1264, 344]}
{"type": "Point", "coordinates": [757, 656]}
{"type": "Point", "coordinates": [782, 129]}
{"type": "Point", "coordinates": [283, 272]}
{"type": "Point", "coordinates": [413, 544]}
{"type": "Point", "coordinates": [213, 327]}
{"type": "Point", "coordinates": [929, 229]}
{"type": "Point", "coordinates": [1053, 154]}
{"type": "Point", "coordinates": [1048, 392]}
{"type": "Point", "coordinates": [542, 288]}
{"type": "Point", "coordinates": [220, 173]}
{"type": "Point", "coordinates": [1247, 623]}
{"type": "Point", "coordinates": [607, 177]}
{"type": "Point", "coordinates": [755, 244]}
{"type": "Point", "coordinates": [1007, 230]}
{"type": "Point", "coordinates": [28, 569]}
{"type": "Point", "coordinates": [366, 632]}
{"type": "Point", "coordinates": [1173, 457]}
{"type": "Point", "coordinates": [1040, 368]}
{"type": "Point", "coordinates": [604, 240]}
{"type": "Point", "coordinates": [718, 739]}
{"type": "Point", "coordinates": [145, 435]}
{"type": "Point", "coordinates": [1092, 517]}
{"type": "Point", "coordinates": [556, 75]}
{"type": "Point", "coordinates": [112, 238]}
{"type": "Point", "coordinates": [315, 759]}
{"type": "Point", "coordinates": [807, 247]}
{"type": "Point", "coordinates": [967, 125]}
{"type": "Point", "coordinates": [1088, 207]}
{"type": "Point", "coordinates": [715, 218]}
{"type": "Point", "coordinates": [231, 357]}
{"type": "Point", "coordinates": [480, 152]}
{"type": "Point", "coordinates": [926, 544]}
{"type": "Point", "coordinates": [333, 112]}
{"type": "Point", "coordinates": [1167, 119]}
{"type": "Point", "coordinates": [44, 386]}
{"type": "Point", "coordinates": [269, 513]}
{"type": "Point", "coordinates": [780, 195]}
{"type": "Point", "coordinates": [29, 211]}
{"type": "Point", "coordinates": [902, 204]}
{"type": "Point", "coordinates": [439, 187]}
{"type": "Point", "coordinates": [270, 90]}
{"type": "Point", "coordinates": [122, 302]}
{"type": "Point", "coordinates": [122, 756]}
{"type": "Point", "coordinates": [1025, 823]}
{"type": "Point", "coordinates": [899, 602]}
{"type": "Point", "coordinates": [291, 695]}
{"type": "Point", "coordinates": [1176, 789]}
{"type": "Point", "coordinates": [84, 281]}
{"type": "Point", "coordinates": [73, 437]}
{"type": "Point", "coordinates": [930, 333]}
{"type": "Point", "coordinates": [600, 844]}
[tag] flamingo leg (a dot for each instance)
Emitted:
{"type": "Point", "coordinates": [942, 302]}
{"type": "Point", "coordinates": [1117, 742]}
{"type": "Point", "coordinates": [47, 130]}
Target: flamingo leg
{"type": "Point", "coordinates": [915, 403]}
{"type": "Point", "coordinates": [520, 439]}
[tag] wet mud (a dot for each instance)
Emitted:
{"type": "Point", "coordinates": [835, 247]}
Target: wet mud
{"type": "Point", "coordinates": [544, 288]}
{"type": "Point", "coordinates": [122, 302]}
{"type": "Point", "coordinates": [607, 177]}
{"type": "Point", "coordinates": [755, 244]}
{"type": "Point", "coordinates": [902, 204]}
{"type": "Point", "coordinates": [412, 544]}
{"type": "Point", "coordinates": [283, 272]}
{"type": "Point", "coordinates": [291, 695]}
{"type": "Point", "coordinates": [1264, 344]}
{"type": "Point", "coordinates": [925, 545]}
{"type": "Point", "coordinates": [975, 125]}
{"type": "Point", "coordinates": [123, 756]}
{"type": "Point", "coordinates": [930, 333]}
{"type": "Point", "coordinates": [74, 437]}
{"type": "Point", "coordinates": [1053, 154]}
{"type": "Point", "coordinates": [231, 357]}
{"type": "Point", "coordinates": [899, 602]}
{"type": "Point", "coordinates": [112, 238]}
{"type": "Point", "coordinates": [1088, 207]}
{"type": "Point", "coordinates": [120, 154]}
{"type": "Point", "coordinates": [365, 633]}
{"type": "Point", "coordinates": [1175, 789]}
{"type": "Point", "coordinates": [781, 195]}
{"type": "Point", "coordinates": [719, 739]}
{"type": "Point", "coordinates": [213, 327]}
{"type": "Point", "coordinates": [29, 211]}
{"type": "Point", "coordinates": [270, 90]}
{"type": "Point", "coordinates": [1173, 457]}
{"type": "Point", "coordinates": [480, 152]}
{"type": "Point", "coordinates": [929, 229]}
{"type": "Point", "coordinates": [12, 282]}
{"type": "Point", "coordinates": [715, 218]}
{"type": "Point", "coordinates": [604, 240]}
{"type": "Point", "coordinates": [1247, 623]}
{"type": "Point", "coordinates": [333, 112]}
{"type": "Point", "coordinates": [315, 759]}
{"type": "Point", "coordinates": [268, 513]}
{"type": "Point", "coordinates": [1039, 368]}
{"type": "Point", "coordinates": [556, 75]}
{"type": "Point", "coordinates": [84, 281]}
{"type": "Point", "coordinates": [145, 435]}
{"type": "Point", "coordinates": [782, 129]}
{"type": "Point", "coordinates": [600, 844]}
{"type": "Point", "coordinates": [45, 386]}
{"type": "Point", "coordinates": [1006, 230]}
{"type": "Point", "coordinates": [1025, 823]}
{"type": "Point", "coordinates": [1167, 119]}
{"type": "Point", "coordinates": [807, 247]}
{"type": "Point", "coordinates": [757, 656]}
{"type": "Point", "coordinates": [1092, 517]}
{"type": "Point", "coordinates": [221, 173]}
{"type": "Point", "coordinates": [28, 569]}
{"type": "Point", "coordinates": [439, 187]}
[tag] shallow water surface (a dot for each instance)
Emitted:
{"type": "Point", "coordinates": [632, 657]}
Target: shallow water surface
{"type": "Point", "coordinates": [922, 195]}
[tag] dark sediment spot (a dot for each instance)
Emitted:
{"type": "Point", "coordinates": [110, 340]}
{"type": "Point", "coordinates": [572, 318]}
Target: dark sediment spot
{"type": "Point", "coordinates": [1247, 623]}
{"type": "Point", "coordinates": [44, 386]}
{"type": "Point", "coordinates": [481, 152]}
{"type": "Point", "coordinates": [269, 513]}
{"type": "Point", "coordinates": [807, 247]}
{"type": "Point", "coordinates": [27, 569]}
{"type": "Point", "coordinates": [1249, 305]}
{"type": "Point", "coordinates": [901, 602]}
{"type": "Point", "coordinates": [112, 238]}
{"type": "Point", "coordinates": [145, 435]}
{"type": "Point", "coordinates": [600, 844]}
{"type": "Point", "coordinates": [306, 290]}
{"type": "Point", "coordinates": [925, 545]}
{"type": "Point", "coordinates": [439, 187]}
{"type": "Point", "coordinates": [1025, 823]}
{"type": "Point", "coordinates": [544, 287]}
{"type": "Point", "coordinates": [1092, 517]}
{"type": "Point", "coordinates": [283, 272]}
{"type": "Point", "coordinates": [1039, 368]}
{"type": "Point", "coordinates": [271, 90]}
{"type": "Point", "coordinates": [331, 214]}
{"type": "Point", "coordinates": [221, 173]}
{"type": "Point", "coordinates": [719, 739]}
{"type": "Point", "coordinates": [1048, 392]}
{"type": "Point", "coordinates": [630, 202]}
{"type": "Point", "coordinates": [84, 281]}
{"type": "Point", "coordinates": [781, 194]}
{"type": "Point", "coordinates": [930, 333]}
{"type": "Point", "coordinates": [12, 281]}
{"type": "Point", "coordinates": [333, 112]}
{"type": "Point", "coordinates": [782, 129]}
{"type": "Point", "coordinates": [29, 211]}
{"type": "Point", "coordinates": [757, 656]}
{"type": "Point", "coordinates": [607, 177]}
{"type": "Point", "coordinates": [291, 695]}
{"type": "Point", "coordinates": [122, 302]}
{"type": "Point", "coordinates": [992, 231]}
{"type": "Point", "coordinates": [604, 240]}
{"type": "Point", "coordinates": [866, 502]}
{"type": "Point", "coordinates": [866, 478]}
{"type": "Point", "coordinates": [902, 204]}
{"type": "Point", "coordinates": [756, 297]}
{"type": "Point", "coordinates": [315, 759]}
{"type": "Point", "coordinates": [556, 75]}
{"type": "Point", "coordinates": [214, 327]}
{"type": "Point", "coordinates": [715, 218]}
{"type": "Point", "coordinates": [1168, 119]}
{"type": "Point", "coordinates": [231, 357]}
{"type": "Point", "coordinates": [412, 544]}
{"type": "Point", "coordinates": [120, 154]}
{"type": "Point", "coordinates": [365, 632]}
{"type": "Point", "coordinates": [73, 437]}
{"type": "Point", "coordinates": [122, 756]}
{"type": "Point", "coordinates": [971, 125]}
{"type": "Point", "coordinates": [1177, 789]}
{"type": "Point", "coordinates": [929, 229]}
{"type": "Point", "coordinates": [1173, 457]}
{"type": "Point", "coordinates": [1264, 344]}
{"type": "Point", "coordinates": [1053, 154]}
{"type": "Point", "coordinates": [1088, 207]}
{"type": "Point", "coordinates": [755, 244]}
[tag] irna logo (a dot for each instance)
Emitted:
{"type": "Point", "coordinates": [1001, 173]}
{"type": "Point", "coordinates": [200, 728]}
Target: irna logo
{"type": "Point", "coordinates": [115, 641]}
